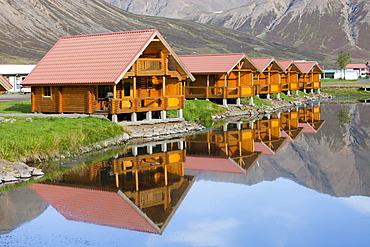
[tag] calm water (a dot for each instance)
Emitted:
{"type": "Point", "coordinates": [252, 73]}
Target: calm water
{"type": "Point", "coordinates": [300, 178]}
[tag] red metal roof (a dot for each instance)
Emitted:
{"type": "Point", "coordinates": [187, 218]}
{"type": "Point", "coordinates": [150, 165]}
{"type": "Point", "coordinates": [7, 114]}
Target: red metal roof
{"type": "Point", "coordinates": [4, 84]}
{"type": "Point", "coordinates": [306, 66]}
{"type": "Point", "coordinates": [213, 63]}
{"type": "Point", "coordinates": [286, 63]}
{"type": "Point", "coordinates": [95, 58]}
{"type": "Point", "coordinates": [212, 164]}
{"type": "Point", "coordinates": [263, 62]}
{"type": "Point", "coordinates": [356, 66]}
{"type": "Point", "coordinates": [96, 206]}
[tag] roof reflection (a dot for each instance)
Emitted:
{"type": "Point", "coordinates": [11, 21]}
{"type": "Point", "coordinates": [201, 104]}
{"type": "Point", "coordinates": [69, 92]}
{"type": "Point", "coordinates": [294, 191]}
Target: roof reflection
{"type": "Point", "coordinates": [139, 189]}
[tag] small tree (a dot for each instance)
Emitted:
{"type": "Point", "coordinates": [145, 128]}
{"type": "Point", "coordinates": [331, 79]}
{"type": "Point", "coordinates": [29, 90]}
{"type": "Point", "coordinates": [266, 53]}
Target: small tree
{"type": "Point", "coordinates": [343, 59]}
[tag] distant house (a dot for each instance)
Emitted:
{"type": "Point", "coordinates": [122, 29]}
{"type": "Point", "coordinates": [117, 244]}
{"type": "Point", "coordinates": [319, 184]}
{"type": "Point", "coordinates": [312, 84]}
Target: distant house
{"type": "Point", "coordinates": [310, 76]}
{"type": "Point", "coordinates": [267, 80]}
{"type": "Point", "coordinates": [15, 74]}
{"type": "Point", "coordinates": [347, 74]}
{"type": "Point", "coordinates": [289, 79]}
{"type": "Point", "coordinates": [220, 76]}
{"type": "Point", "coordinates": [130, 75]}
{"type": "Point", "coordinates": [4, 84]}
{"type": "Point", "coordinates": [362, 68]}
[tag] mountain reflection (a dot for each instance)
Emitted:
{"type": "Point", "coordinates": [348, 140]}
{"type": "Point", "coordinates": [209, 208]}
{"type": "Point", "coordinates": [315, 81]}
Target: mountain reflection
{"type": "Point", "coordinates": [139, 189]}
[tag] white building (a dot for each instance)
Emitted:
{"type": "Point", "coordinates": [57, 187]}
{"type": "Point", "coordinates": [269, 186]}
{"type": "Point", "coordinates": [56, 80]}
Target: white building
{"type": "Point", "coordinates": [347, 74]}
{"type": "Point", "coordinates": [15, 75]}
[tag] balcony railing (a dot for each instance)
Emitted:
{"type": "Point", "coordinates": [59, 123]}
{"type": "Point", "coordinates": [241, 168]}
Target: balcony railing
{"type": "Point", "coordinates": [218, 92]}
{"type": "Point", "coordinates": [129, 105]}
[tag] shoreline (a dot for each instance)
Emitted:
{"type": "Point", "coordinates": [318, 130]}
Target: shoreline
{"type": "Point", "coordinates": [148, 132]}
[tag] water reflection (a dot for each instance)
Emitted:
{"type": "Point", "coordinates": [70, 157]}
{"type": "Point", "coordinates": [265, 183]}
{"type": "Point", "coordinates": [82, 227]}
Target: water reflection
{"type": "Point", "coordinates": [141, 187]}
{"type": "Point", "coordinates": [138, 189]}
{"type": "Point", "coordinates": [269, 182]}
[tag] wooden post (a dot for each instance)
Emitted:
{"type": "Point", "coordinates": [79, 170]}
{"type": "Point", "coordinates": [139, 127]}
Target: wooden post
{"type": "Point", "coordinates": [33, 99]}
{"type": "Point", "coordinates": [207, 88]}
{"type": "Point", "coordinates": [60, 100]}
{"type": "Point", "coordinates": [164, 86]}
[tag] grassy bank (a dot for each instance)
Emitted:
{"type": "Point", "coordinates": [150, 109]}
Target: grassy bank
{"type": "Point", "coordinates": [199, 110]}
{"type": "Point", "coordinates": [45, 137]}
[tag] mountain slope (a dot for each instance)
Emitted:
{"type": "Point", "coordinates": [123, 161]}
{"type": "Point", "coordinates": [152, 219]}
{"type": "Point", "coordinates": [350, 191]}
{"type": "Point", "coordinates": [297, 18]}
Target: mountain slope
{"type": "Point", "coordinates": [31, 27]}
{"type": "Point", "coordinates": [326, 26]}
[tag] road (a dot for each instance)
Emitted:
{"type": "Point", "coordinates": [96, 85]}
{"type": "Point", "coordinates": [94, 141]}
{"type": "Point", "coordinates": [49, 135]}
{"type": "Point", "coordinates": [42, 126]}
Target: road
{"type": "Point", "coordinates": [14, 97]}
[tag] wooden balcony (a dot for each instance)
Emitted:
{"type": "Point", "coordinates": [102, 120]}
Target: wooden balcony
{"type": "Point", "coordinates": [129, 105]}
{"type": "Point", "coordinates": [203, 92]}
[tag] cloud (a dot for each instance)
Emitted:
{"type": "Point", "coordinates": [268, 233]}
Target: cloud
{"type": "Point", "coordinates": [207, 233]}
{"type": "Point", "coordinates": [360, 203]}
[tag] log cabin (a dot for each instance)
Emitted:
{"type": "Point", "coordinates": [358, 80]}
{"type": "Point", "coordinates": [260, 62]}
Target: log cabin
{"type": "Point", "coordinates": [226, 77]}
{"type": "Point", "coordinates": [289, 80]}
{"type": "Point", "coordinates": [4, 84]}
{"type": "Point", "coordinates": [310, 76]}
{"type": "Point", "coordinates": [267, 80]}
{"type": "Point", "coordinates": [139, 190]}
{"type": "Point", "coordinates": [126, 75]}
{"type": "Point", "coordinates": [227, 150]}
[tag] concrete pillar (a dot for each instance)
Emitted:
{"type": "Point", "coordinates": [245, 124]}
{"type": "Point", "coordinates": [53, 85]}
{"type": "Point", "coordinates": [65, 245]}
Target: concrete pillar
{"type": "Point", "coordinates": [164, 147]}
{"type": "Point", "coordinates": [224, 102]}
{"type": "Point", "coordinates": [238, 102]}
{"type": "Point", "coordinates": [133, 117]}
{"type": "Point", "coordinates": [179, 113]}
{"type": "Point", "coordinates": [163, 114]}
{"type": "Point", "coordinates": [114, 118]}
{"type": "Point", "coordinates": [251, 123]}
{"type": "Point", "coordinates": [318, 90]}
{"type": "Point", "coordinates": [296, 92]}
{"type": "Point", "coordinates": [181, 145]}
{"type": "Point", "coordinates": [278, 96]}
{"type": "Point", "coordinates": [268, 96]}
{"type": "Point", "coordinates": [288, 93]}
{"type": "Point", "coordinates": [134, 151]}
{"type": "Point", "coordinates": [311, 90]}
{"type": "Point", "coordinates": [149, 149]}
{"type": "Point", "coordinates": [304, 90]}
{"type": "Point", "coordinates": [224, 127]}
{"type": "Point", "coordinates": [239, 125]}
{"type": "Point", "coordinates": [148, 115]}
{"type": "Point", "coordinates": [251, 101]}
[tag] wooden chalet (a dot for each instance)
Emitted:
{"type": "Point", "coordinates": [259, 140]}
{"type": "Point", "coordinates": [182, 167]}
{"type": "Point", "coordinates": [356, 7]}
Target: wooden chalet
{"type": "Point", "coordinates": [128, 75]}
{"type": "Point", "coordinates": [289, 80]}
{"type": "Point", "coordinates": [139, 190]}
{"type": "Point", "coordinates": [267, 80]}
{"type": "Point", "coordinates": [228, 150]}
{"type": "Point", "coordinates": [310, 76]}
{"type": "Point", "coordinates": [220, 76]}
{"type": "Point", "coordinates": [4, 84]}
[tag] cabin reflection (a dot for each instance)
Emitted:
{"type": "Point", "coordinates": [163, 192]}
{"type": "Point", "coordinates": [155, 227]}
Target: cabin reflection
{"type": "Point", "coordinates": [233, 146]}
{"type": "Point", "coordinates": [236, 147]}
{"type": "Point", "coordinates": [309, 119]}
{"type": "Point", "coordinates": [139, 189]}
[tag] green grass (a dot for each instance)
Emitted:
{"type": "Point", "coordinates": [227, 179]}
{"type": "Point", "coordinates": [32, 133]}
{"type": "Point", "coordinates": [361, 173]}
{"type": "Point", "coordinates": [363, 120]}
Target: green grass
{"type": "Point", "coordinates": [345, 92]}
{"type": "Point", "coordinates": [15, 107]}
{"type": "Point", "coordinates": [258, 102]}
{"type": "Point", "coordinates": [336, 80]}
{"type": "Point", "coordinates": [44, 137]}
{"type": "Point", "coordinates": [199, 111]}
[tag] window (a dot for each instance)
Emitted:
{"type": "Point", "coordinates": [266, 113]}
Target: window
{"type": "Point", "coordinates": [103, 91]}
{"type": "Point", "coordinates": [47, 91]}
